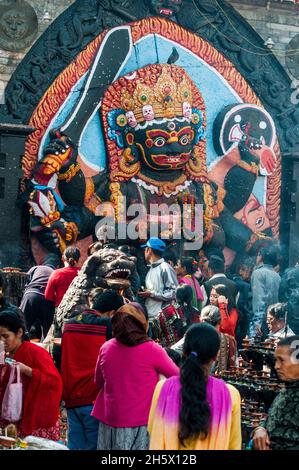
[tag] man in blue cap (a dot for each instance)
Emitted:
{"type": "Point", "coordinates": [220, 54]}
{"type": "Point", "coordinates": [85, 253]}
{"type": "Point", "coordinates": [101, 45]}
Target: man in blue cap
{"type": "Point", "coordinates": [161, 280]}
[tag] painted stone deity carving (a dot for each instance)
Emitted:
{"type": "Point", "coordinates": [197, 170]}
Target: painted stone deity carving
{"type": "Point", "coordinates": [157, 133]}
{"type": "Point", "coordinates": [162, 157]}
{"type": "Point", "coordinates": [154, 123]}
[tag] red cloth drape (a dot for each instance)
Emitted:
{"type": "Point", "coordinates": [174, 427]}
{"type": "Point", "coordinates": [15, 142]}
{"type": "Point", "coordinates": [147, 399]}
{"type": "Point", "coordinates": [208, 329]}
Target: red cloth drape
{"type": "Point", "coordinates": [42, 392]}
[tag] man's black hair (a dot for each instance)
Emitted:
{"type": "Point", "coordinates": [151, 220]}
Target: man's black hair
{"type": "Point", "coordinates": [246, 262]}
{"type": "Point", "coordinates": [214, 252]}
{"type": "Point", "coordinates": [270, 255]}
{"type": "Point", "coordinates": [216, 264]}
{"type": "Point", "coordinates": [175, 356]}
{"type": "Point", "coordinates": [107, 301]}
{"type": "Point", "coordinates": [170, 256]}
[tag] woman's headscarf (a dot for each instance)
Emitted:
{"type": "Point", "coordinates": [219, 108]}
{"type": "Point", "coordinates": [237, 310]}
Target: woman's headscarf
{"type": "Point", "coordinates": [139, 307]}
{"type": "Point", "coordinates": [129, 326]}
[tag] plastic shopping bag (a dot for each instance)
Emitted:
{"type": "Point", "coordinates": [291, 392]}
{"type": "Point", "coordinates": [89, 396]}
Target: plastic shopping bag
{"type": "Point", "coordinates": [13, 397]}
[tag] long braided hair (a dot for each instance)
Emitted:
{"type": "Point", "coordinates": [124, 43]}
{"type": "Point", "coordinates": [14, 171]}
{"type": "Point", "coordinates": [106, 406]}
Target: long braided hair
{"type": "Point", "coordinates": [201, 346]}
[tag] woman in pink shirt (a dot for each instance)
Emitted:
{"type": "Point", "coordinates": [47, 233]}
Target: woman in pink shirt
{"type": "Point", "coordinates": [127, 373]}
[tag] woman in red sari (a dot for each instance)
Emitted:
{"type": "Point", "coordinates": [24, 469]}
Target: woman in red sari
{"type": "Point", "coordinates": [42, 385]}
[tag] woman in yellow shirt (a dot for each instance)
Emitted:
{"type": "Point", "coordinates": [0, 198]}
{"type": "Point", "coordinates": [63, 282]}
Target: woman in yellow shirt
{"type": "Point", "coordinates": [196, 411]}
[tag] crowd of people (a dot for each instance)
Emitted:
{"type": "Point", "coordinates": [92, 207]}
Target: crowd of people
{"type": "Point", "coordinates": [143, 372]}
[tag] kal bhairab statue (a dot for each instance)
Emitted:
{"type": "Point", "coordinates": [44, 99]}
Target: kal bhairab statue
{"type": "Point", "coordinates": [154, 122]}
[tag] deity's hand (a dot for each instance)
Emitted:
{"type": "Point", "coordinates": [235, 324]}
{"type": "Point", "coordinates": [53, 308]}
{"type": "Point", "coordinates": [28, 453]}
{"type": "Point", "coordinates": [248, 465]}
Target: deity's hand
{"type": "Point", "coordinates": [66, 233]}
{"type": "Point", "coordinates": [55, 236]}
{"type": "Point", "coordinates": [268, 160]}
{"type": "Point", "coordinates": [58, 157]}
{"type": "Point", "coordinates": [266, 157]}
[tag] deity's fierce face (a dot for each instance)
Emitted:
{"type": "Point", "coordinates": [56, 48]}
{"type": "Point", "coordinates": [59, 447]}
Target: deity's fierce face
{"type": "Point", "coordinates": [165, 146]}
{"type": "Point", "coordinates": [157, 124]}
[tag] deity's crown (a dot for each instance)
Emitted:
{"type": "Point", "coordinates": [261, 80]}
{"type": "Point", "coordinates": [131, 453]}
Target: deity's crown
{"type": "Point", "coordinates": [136, 100]}
{"type": "Point", "coordinates": [167, 94]}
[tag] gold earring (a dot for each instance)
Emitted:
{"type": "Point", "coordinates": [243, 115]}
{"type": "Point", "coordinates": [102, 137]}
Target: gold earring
{"type": "Point", "coordinates": [126, 165]}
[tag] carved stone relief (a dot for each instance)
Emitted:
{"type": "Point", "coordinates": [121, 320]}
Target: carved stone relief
{"type": "Point", "coordinates": [18, 25]}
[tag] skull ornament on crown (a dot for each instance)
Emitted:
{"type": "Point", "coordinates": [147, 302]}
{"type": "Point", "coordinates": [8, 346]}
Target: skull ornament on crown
{"type": "Point", "coordinates": [148, 113]}
{"type": "Point", "coordinates": [187, 110]}
{"type": "Point", "coordinates": [131, 119]}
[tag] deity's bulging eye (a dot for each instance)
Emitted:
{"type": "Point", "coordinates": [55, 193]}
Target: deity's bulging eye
{"type": "Point", "coordinates": [171, 126]}
{"type": "Point", "coordinates": [160, 142]}
{"type": "Point", "coordinates": [185, 139]}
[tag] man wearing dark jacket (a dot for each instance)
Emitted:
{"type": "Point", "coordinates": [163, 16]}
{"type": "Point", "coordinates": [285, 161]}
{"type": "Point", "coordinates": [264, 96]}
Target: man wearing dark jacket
{"type": "Point", "coordinates": [216, 276]}
{"type": "Point", "coordinates": [82, 338]}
